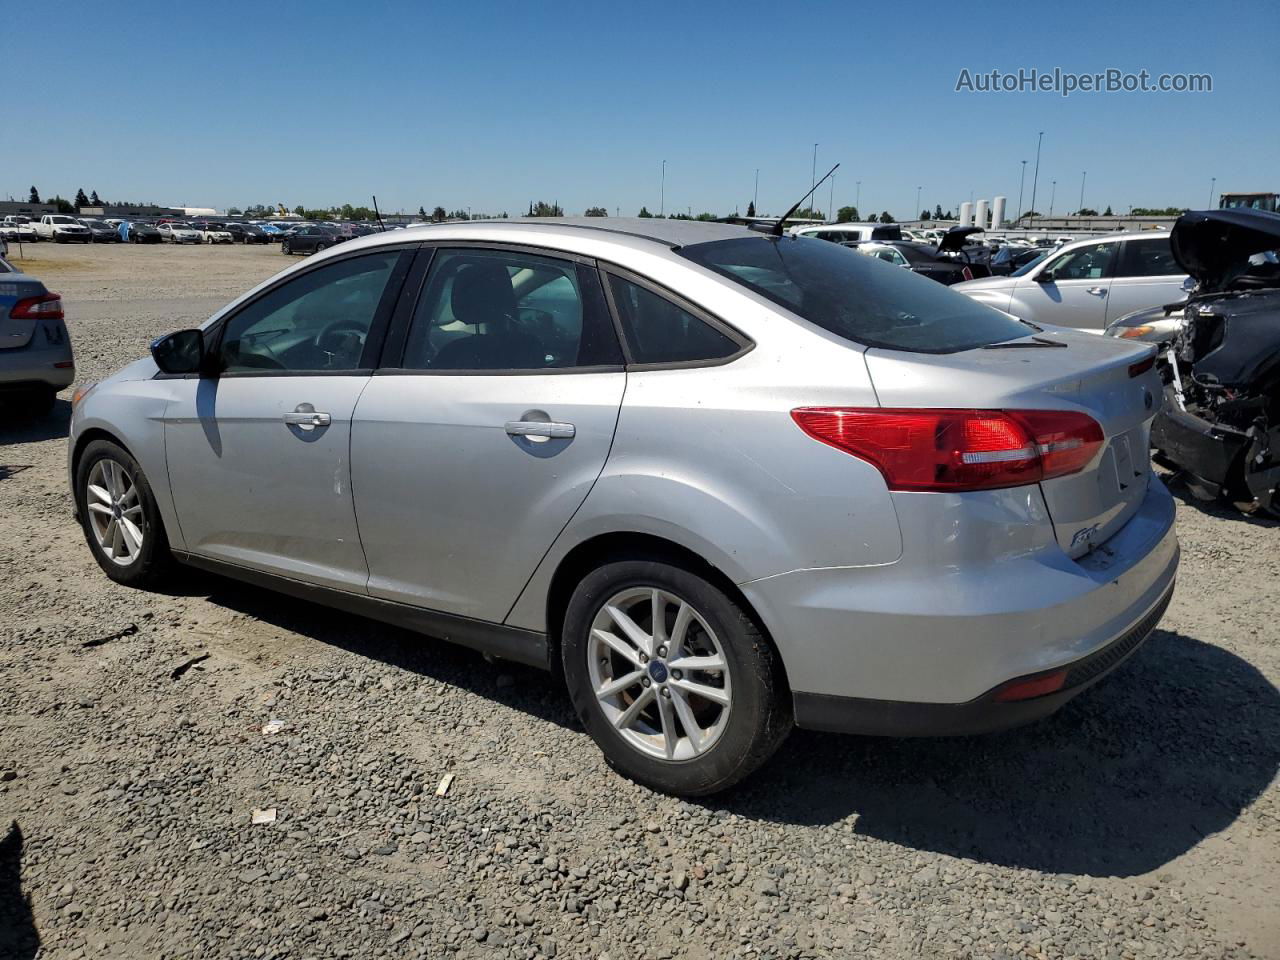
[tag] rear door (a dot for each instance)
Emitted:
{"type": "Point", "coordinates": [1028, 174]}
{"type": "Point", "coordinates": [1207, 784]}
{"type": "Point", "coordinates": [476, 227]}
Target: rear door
{"type": "Point", "coordinates": [1147, 276]}
{"type": "Point", "coordinates": [1069, 289]}
{"type": "Point", "coordinates": [489, 425]}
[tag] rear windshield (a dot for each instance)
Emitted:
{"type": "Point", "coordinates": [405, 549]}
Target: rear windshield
{"type": "Point", "coordinates": [859, 298]}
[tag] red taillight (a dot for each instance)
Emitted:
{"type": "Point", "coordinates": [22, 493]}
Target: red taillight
{"type": "Point", "coordinates": [1142, 366]}
{"type": "Point", "coordinates": [1030, 687]}
{"type": "Point", "coordinates": [948, 450]}
{"type": "Point", "coordinates": [46, 307]}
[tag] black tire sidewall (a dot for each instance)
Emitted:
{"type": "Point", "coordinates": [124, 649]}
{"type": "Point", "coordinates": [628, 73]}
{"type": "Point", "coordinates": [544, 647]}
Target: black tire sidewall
{"type": "Point", "coordinates": [153, 562]}
{"type": "Point", "coordinates": [760, 716]}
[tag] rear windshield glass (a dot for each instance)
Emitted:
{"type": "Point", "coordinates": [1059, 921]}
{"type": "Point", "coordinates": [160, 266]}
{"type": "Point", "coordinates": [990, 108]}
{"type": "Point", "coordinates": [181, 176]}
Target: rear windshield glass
{"type": "Point", "coordinates": [857, 297]}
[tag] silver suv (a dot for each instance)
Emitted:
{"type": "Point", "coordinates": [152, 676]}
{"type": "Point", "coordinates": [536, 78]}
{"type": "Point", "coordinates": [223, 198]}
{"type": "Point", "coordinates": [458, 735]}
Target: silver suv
{"type": "Point", "coordinates": [1090, 283]}
{"type": "Point", "coordinates": [722, 481]}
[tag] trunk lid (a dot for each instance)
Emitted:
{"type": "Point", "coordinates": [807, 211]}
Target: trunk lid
{"type": "Point", "coordinates": [16, 333]}
{"type": "Point", "coordinates": [1090, 375]}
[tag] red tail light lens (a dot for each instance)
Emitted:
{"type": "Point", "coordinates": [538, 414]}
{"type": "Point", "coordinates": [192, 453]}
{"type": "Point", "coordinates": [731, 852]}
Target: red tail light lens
{"type": "Point", "coordinates": [951, 450]}
{"type": "Point", "coordinates": [1142, 366]}
{"type": "Point", "coordinates": [46, 307]}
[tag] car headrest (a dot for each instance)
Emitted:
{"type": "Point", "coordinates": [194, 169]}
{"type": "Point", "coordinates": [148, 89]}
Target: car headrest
{"type": "Point", "coordinates": [482, 294]}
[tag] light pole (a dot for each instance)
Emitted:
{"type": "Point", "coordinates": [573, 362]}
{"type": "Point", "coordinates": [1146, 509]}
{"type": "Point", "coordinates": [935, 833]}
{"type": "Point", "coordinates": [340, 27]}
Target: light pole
{"type": "Point", "coordinates": [1083, 174]}
{"type": "Point", "coordinates": [857, 198]}
{"type": "Point", "coordinates": [1212, 182]}
{"type": "Point", "coordinates": [1022, 180]}
{"type": "Point", "coordinates": [814, 184]}
{"type": "Point", "coordinates": [755, 196]}
{"type": "Point", "coordinates": [1053, 195]}
{"type": "Point", "coordinates": [1035, 177]}
{"type": "Point", "coordinates": [831, 201]}
{"type": "Point", "coordinates": [662, 195]}
{"type": "Point", "coordinates": [918, 189]}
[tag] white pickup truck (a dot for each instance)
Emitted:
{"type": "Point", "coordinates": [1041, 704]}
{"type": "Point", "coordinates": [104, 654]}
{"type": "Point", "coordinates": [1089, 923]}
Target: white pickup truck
{"type": "Point", "coordinates": [61, 228]}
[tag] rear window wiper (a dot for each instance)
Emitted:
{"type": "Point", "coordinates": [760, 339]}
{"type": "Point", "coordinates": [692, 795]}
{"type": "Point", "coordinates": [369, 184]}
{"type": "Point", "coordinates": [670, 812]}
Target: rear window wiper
{"type": "Point", "coordinates": [1027, 344]}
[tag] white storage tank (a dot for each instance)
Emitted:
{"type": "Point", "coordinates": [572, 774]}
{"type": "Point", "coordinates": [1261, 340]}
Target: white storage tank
{"type": "Point", "coordinates": [980, 215]}
{"type": "Point", "coordinates": [966, 214]}
{"type": "Point", "coordinates": [997, 212]}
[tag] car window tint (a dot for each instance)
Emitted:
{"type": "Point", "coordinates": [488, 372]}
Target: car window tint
{"type": "Point", "coordinates": [1148, 257]}
{"type": "Point", "coordinates": [316, 321]}
{"type": "Point", "coordinates": [503, 310]}
{"type": "Point", "coordinates": [856, 297]}
{"type": "Point", "coordinates": [1091, 262]}
{"type": "Point", "coordinates": [658, 331]}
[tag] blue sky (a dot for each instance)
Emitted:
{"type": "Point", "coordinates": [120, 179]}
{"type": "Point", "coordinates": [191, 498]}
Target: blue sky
{"type": "Point", "coordinates": [491, 105]}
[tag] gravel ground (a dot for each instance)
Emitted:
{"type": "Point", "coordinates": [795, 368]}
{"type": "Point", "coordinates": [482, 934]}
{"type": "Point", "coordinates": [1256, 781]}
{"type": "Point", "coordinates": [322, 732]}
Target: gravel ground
{"type": "Point", "coordinates": [1142, 821]}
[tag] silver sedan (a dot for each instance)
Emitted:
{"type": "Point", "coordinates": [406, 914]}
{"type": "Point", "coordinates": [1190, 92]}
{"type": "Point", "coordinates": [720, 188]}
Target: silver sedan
{"type": "Point", "coordinates": [724, 482]}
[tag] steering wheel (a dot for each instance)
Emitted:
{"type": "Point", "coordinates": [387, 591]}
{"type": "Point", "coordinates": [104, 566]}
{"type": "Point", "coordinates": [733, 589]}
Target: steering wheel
{"type": "Point", "coordinates": [342, 340]}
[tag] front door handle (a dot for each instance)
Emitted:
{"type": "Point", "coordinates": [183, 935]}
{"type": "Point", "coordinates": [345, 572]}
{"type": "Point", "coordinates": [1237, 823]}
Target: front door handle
{"type": "Point", "coordinates": [540, 428]}
{"type": "Point", "coordinates": [1097, 291]}
{"type": "Point", "coordinates": [307, 417]}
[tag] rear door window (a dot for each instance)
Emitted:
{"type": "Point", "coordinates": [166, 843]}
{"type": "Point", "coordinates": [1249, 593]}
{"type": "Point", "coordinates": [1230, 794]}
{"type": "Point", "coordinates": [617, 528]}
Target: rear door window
{"type": "Point", "coordinates": [1148, 257]}
{"type": "Point", "coordinates": [857, 297]}
{"type": "Point", "coordinates": [659, 331]}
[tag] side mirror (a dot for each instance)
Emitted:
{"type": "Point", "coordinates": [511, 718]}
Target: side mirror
{"type": "Point", "coordinates": [1044, 276]}
{"type": "Point", "coordinates": [181, 352]}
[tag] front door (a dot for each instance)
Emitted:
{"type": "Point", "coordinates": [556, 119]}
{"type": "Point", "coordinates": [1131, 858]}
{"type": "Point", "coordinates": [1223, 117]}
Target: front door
{"type": "Point", "coordinates": [1070, 289]}
{"type": "Point", "coordinates": [475, 448]}
{"type": "Point", "coordinates": [259, 455]}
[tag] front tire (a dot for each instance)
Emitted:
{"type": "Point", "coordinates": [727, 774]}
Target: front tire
{"type": "Point", "coordinates": [121, 521]}
{"type": "Point", "coordinates": [672, 678]}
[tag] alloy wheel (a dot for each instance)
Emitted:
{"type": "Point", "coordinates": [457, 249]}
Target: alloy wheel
{"type": "Point", "coordinates": [115, 511]}
{"type": "Point", "coordinates": [659, 673]}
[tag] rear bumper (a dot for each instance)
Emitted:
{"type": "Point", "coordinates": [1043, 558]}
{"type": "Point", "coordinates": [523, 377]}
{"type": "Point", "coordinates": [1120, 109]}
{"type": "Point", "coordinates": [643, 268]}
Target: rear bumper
{"type": "Point", "coordinates": [982, 595]}
{"type": "Point", "coordinates": [984, 714]}
{"type": "Point", "coordinates": [25, 368]}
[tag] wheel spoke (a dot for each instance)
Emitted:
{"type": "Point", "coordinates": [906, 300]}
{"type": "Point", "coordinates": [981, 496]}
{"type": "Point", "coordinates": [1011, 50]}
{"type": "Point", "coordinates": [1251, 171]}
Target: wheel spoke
{"type": "Point", "coordinates": [130, 495]}
{"type": "Point", "coordinates": [684, 616]}
{"type": "Point", "coordinates": [132, 535]}
{"type": "Point", "coordinates": [659, 605]}
{"type": "Point", "coordinates": [101, 493]}
{"type": "Point", "coordinates": [642, 640]}
{"type": "Point", "coordinates": [628, 716]}
{"type": "Point", "coordinates": [687, 720]}
{"type": "Point", "coordinates": [615, 687]}
{"type": "Point", "coordinates": [618, 645]}
{"type": "Point", "coordinates": [100, 508]}
{"type": "Point", "coordinates": [109, 535]}
{"type": "Point", "coordinates": [113, 479]}
{"type": "Point", "coordinates": [670, 737]}
{"type": "Point", "coordinates": [714, 694]}
{"type": "Point", "coordinates": [135, 510]}
{"type": "Point", "coordinates": [714, 662]}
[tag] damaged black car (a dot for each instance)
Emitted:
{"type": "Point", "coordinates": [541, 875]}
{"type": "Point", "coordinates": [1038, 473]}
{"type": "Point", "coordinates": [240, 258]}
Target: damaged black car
{"type": "Point", "coordinates": [1220, 422]}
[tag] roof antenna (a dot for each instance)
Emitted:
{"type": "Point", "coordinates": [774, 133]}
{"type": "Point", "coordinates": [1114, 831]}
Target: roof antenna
{"type": "Point", "coordinates": [378, 215]}
{"type": "Point", "coordinates": [778, 228]}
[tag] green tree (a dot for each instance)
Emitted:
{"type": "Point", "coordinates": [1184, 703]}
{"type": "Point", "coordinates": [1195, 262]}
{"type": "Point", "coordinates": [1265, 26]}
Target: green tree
{"type": "Point", "coordinates": [751, 209]}
{"type": "Point", "coordinates": [543, 209]}
{"type": "Point", "coordinates": [438, 214]}
{"type": "Point", "coordinates": [300, 210]}
{"type": "Point", "coordinates": [231, 211]}
{"type": "Point", "coordinates": [422, 212]}
{"type": "Point", "coordinates": [937, 212]}
{"type": "Point", "coordinates": [886, 217]}
{"type": "Point", "coordinates": [1086, 212]}
{"type": "Point", "coordinates": [81, 200]}
{"type": "Point", "coordinates": [1107, 212]}
{"type": "Point", "coordinates": [93, 199]}
{"type": "Point", "coordinates": [596, 212]}
{"type": "Point", "coordinates": [644, 212]}
{"type": "Point", "coordinates": [35, 196]}
{"type": "Point", "coordinates": [873, 219]}
{"type": "Point", "coordinates": [706, 216]}
{"type": "Point", "coordinates": [62, 205]}
{"type": "Point", "coordinates": [925, 215]}
{"type": "Point", "coordinates": [847, 215]}
{"type": "Point", "coordinates": [948, 216]}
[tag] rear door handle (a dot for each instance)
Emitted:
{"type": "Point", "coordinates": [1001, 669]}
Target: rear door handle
{"type": "Point", "coordinates": [540, 428]}
{"type": "Point", "coordinates": [1097, 291]}
{"type": "Point", "coordinates": [307, 417]}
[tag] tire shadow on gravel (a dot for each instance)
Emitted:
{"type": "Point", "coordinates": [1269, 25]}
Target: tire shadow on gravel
{"type": "Point", "coordinates": [1131, 774]}
{"type": "Point", "coordinates": [18, 936]}
{"type": "Point", "coordinates": [18, 426]}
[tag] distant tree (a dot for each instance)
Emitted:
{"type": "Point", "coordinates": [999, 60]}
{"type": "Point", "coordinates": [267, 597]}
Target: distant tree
{"type": "Point", "coordinates": [300, 210]}
{"type": "Point", "coordinates": [422, 212]}
{"type": "Point", "coordinates": [231, 211]}
{"type": "Point", "coordinates": [81, 200]}
{"type": "Point", "coordinates": [925, 214]}
{"type": "Point", "coordinates": [706, 216]}
{"type": "Point", "coordinates": [1158, 211]}
{"type": "Point", "coordinates": [751, 209]}
{"type": "Point", "coordinates": [937, 212]}
{"type": "Point", "coordinates": [596, 212]}
{"type": "Point", "coordinates": [644, 212]}
{"type": "Point", "coordinates": [93, 199]}
{"type": "Point", "coordinates": [873, 219]}
{"type": "Point", "coordinates": [1086, 212]}
{"type": "Point", "coordinates": [1037, 213]}
{"type": "Point", "coordinates": [35, 196]}
{"type": "Point", "coordinates": [438, 214]}
{"type": "Point", "coordinates": [542, 209]}
{"type": "Point", "coordinates": [1107, 212]}
{"type": "Point", "coordinates": [459, 215]}
{"type": "Point", "coordinates": [948, 216]}
{"type": "Point", "coordinates": [847, 215]}
{"type": "Point", "coordinates": [886, 217]}
{"type": "Point", "coordinates": [63, 206]}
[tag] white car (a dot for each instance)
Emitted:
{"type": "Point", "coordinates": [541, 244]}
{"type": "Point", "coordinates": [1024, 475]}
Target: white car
{"type": "Point", "coordinates": [1088, 283]}
{"type": "Point", "coordinates": [846, 232]}
{"type": "Point", "coordinates": [61, 228]}
{"type": "Point", "coordinates": [174, 232]}
{"type": "Point", "coordinates": [18, 228]}
{"type": "Point", "coordinates": [216, 234]}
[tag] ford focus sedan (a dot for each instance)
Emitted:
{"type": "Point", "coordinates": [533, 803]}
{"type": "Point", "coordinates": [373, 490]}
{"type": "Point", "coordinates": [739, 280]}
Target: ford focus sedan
{"type": "Point", "coordinates": [723, 482]}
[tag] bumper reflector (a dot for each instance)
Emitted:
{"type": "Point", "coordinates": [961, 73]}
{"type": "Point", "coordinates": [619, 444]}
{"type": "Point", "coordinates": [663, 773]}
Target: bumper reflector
{"type": "Point", "coordinates": [1031, 687]}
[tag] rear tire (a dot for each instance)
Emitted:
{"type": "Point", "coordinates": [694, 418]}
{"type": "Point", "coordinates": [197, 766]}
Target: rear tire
{"type": "Point", "coordinates": [658, 731]}
{"type": "Point", "coordinates": [285, 248]}
{"type": "Point", "coordinates": [119, 516]}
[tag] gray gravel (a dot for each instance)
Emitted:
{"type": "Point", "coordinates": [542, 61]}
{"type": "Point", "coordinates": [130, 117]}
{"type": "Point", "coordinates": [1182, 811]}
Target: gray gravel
{"type": "Point", "coordinates": [1143, 821]}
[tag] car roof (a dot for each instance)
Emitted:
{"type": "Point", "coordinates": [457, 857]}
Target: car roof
{"type": "Point", "coordinates": [671, 234]}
